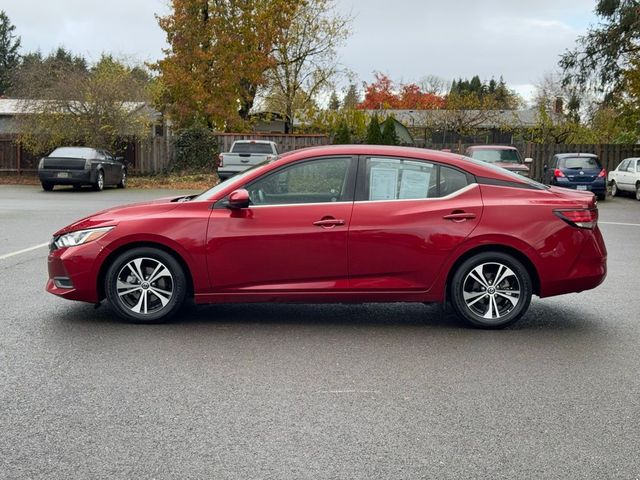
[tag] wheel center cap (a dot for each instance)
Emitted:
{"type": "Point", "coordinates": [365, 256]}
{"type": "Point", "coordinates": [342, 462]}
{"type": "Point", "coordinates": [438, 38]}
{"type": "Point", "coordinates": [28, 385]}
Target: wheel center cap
{"type": "Point", "coordinates": [145, 285]}
{"type": "Point", "coordinates": [491, 290]}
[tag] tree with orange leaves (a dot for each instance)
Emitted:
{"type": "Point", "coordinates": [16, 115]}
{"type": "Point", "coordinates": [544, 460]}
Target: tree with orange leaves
{"type": "Point", "coordinates": [383, 94]}
{"type": "Point", "coordinates": [219, 51]}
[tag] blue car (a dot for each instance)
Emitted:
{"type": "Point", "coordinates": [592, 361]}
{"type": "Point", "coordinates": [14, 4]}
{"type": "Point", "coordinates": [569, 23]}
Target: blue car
{"type": "Point", "coordinates": [579, 171]}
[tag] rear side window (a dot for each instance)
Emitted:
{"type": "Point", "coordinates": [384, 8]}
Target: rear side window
{"type": "Point", "coordinates": [623, 166]}
{"type": "Point", "coordinates": [578, 163]}
{"type": "Point", "coordinates": [400, 179]}
{"type": "Point", "coordinates": [260, 148]}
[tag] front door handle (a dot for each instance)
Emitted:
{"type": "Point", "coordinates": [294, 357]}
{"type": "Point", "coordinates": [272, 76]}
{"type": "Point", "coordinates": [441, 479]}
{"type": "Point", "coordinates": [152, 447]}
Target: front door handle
{"type": "Point", "coordinates": [328, 222]}
{"type": "Point", "coordinates": [460, 216]}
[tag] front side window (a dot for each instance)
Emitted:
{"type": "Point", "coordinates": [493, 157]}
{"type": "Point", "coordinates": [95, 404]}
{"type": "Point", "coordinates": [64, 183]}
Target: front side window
{"type": "Point", "coordinates": [400, 179]}
{"type": "Point", "coordinates": [315, 181]}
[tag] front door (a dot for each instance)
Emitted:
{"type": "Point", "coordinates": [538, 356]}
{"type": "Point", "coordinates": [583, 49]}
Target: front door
{"type": "Point", "coordinates": [293, 236]}
{"type": "Point", "coordinates": [408, 217]}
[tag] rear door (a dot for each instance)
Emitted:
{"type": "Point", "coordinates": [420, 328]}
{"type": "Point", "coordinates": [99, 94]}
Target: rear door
{"type": "Point", "coordinates": [408, 217]}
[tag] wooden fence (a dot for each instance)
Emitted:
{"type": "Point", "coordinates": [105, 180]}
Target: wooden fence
{"type": "Point", "coordinates": [285, 142]}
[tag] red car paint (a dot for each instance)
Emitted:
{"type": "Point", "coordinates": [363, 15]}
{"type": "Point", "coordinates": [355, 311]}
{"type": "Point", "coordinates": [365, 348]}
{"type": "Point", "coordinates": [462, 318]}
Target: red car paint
{"type": "Point", "coordinates": [396, 250]}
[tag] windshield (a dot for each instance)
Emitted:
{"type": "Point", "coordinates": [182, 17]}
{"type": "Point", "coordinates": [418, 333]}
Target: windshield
{"type": "Point", "coordinates": [497, 156]}
{"type": "Point", "coordinates": [211, 193]}
{"type": "Point", "coordinates": [73, 152]}
{"type": "Point", "coordinates": [502, 171]}
{"type": "Point", "coordinates": [252, 148]}
{"type": "Point", "coordinates": [579, 163]}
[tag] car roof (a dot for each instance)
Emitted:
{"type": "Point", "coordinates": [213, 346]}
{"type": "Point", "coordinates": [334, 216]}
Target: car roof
{"type": "Point", "coordinates": [491, 147]}
{"type": "Point", "coordinates": [565, 155]}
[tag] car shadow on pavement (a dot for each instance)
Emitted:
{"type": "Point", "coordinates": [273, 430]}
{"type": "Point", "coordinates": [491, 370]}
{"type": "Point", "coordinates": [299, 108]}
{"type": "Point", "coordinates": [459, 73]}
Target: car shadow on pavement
{"type": "Point", "coordinates": [541, 316]}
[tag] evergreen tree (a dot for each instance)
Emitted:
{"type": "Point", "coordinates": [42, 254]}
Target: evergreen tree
{"type": "Point", "coordinates": [389, 135]}
{"type": "Point", "coordinates": [374, 135]}
{"type": "Point", "coordinates": [334, 101]}
{"type": "Point", "coordinates": [342, 136]}
{"type": "Point", "coordinates": [9, 56]}
{"type": "Point", "coordinates": [475, 85]}
{"type": "Point", "coordinates": [351, 99]}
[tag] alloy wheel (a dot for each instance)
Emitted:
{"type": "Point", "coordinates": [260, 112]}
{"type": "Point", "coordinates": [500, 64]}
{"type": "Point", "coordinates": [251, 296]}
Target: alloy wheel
{"type": "Point", "coordinates": [145, 285]}
{"type": "Point", "coordinates": [491, 291]}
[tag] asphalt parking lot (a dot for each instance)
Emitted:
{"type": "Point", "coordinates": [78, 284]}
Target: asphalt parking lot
{"type": "Point", "coordinates": [332, 391]}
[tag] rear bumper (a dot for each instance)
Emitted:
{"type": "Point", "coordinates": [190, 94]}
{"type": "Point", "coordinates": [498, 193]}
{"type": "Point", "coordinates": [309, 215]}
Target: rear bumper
{"type": "Point", "coordinates": [587, 271]}
{"type": "Point", "coordinates": [69, 177]}
{"type": "Point", "coordinates": [598, 186]}
{"type": "Point", "coordinates": [230, 171]}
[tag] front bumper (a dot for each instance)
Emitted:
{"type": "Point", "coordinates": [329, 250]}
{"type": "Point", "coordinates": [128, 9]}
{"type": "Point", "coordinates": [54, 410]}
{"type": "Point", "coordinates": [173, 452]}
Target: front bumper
{"type": "Point", "coordinates": [73, 272]}
{"type": "Point", "coordinates": [66, 177]}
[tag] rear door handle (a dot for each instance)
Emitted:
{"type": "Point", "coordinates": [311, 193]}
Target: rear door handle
{"type": "Point", "coordinates": [328, 222]}
{"type": "Point", "coordinates": [460, 216]}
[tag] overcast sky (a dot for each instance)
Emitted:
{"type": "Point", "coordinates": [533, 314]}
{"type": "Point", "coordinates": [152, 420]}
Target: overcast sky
{"type": "Point", "coordinates": [406, 39]}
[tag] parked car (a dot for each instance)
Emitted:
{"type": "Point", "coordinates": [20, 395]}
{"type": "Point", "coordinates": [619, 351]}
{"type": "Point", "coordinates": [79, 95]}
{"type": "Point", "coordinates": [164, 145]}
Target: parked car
{"type": "Point", "coordinates": [579, 171]}
{"type": "Point", "coordinates": [245, 154]}
{"type": "Point", "coordinates": [80, 166]}
{"type": "Point", "coordinates": [349, 223]}
{"type": "Point", "coordinates": [626, 178]}
{"type": "Point", "coordinates": [501, 156]}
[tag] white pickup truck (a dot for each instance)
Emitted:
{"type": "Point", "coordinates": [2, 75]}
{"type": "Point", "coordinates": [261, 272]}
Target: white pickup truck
{"type": "Point", "coordinates": [245, 154]}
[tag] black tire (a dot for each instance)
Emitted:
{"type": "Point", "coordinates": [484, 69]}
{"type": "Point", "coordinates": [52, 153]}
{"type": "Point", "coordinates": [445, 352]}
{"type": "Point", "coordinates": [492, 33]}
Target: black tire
{"type": "Point", "coordinates": [474, 308]}
{"type": "Point", "coordinates": [162, 297]}
{"type": "Point", "coordinates": [47, 187]}
{"type": "Point", "coordinates": [123, 180]}
{"type": "Point", "coordinates": [614, 189]}
{"type": "Point", "coordinates": [602, 197]}
{"type": "Point", "coordinates": [638, 191]}
{"type": "Point", "coordinates": [77, 187]}
{"type": "Point", "coordinates": [99, 183]}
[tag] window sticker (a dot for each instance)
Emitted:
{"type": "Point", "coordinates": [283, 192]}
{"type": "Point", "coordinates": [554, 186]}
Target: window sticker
{"type": "Point", "coordinates": [383, 183]}
{"type": "Point", "coordinates": [414, 184]}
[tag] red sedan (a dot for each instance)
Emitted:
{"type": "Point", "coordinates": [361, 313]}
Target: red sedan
{"type": "Point", "coordinates": [341, 224]}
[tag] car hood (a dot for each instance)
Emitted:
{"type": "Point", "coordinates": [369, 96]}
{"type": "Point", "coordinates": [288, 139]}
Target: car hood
{"type": "Point", "coordinates": [514, 167]}
{"type": "Point", "coordinates": [113, 215]}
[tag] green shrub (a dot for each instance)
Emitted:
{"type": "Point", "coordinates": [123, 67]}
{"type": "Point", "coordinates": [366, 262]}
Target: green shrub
{"type": "Point", "coordinates": [342, 136]}
{"type": "Point", "coordinates": [195, 149]}
{"type": "Point", "coordinates": [389, 135]}
{"type": "Point", "coordinates": [374, 135]}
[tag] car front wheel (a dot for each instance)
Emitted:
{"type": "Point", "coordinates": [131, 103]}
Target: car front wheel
{"type": "Point", "coordinates": [638, 191]}
{"type": "Point", "coordinates": [145, 285]}
{"type": "Point", "coordinates": [491, 290]}
{"type": "Point", "coordinates": [123, 180]}
{"type": "Point", "coordinates": [47, 187]}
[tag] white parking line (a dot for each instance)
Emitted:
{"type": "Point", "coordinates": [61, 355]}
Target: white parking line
{"type": "Point", "coordinates": [617, 223]}
{"type": "Point", "coordinates": [24, 250]}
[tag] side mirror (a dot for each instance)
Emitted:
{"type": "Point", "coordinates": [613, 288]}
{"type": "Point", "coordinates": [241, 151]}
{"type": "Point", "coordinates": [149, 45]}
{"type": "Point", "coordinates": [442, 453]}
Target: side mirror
{"type": "Point", "coordinates": [528, 160]}
{"type": "Point", "coordinates": [238, 199]}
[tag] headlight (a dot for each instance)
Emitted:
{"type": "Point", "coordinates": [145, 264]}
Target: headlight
{"type": "Point", "coordinates": [80, 237]}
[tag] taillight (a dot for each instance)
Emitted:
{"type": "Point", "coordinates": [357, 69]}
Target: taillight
{"type": "Point", "coordinates": [558, 173]}
{"type": "Point", "coordinates": [581, 218]}
{"type": "Point", "coordinates": [603, 173]}
{"type": "Point", "coordinates": [221, 162]}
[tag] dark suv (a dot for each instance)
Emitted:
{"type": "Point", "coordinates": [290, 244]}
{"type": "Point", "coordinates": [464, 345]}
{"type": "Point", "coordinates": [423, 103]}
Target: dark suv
{"type": "Point", "coordinates": [580, 171]}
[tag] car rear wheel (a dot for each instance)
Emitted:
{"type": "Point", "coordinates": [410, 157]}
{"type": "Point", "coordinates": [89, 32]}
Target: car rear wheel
{"type": "Point", "coordinates": [123, 180]}
{"type": "Point", "coordinates": [602, 197]}
{"type": "Point", "coordinates": [99, 184]}
{"type": "Point", "coordinates": [491, 290]}
{"type": "Point", "coordinates": [637, 191]}
{"type": "Point", "coordinates": [47, 187]}
{"type": "Point", "coordinates": [614, 189]}
{"type": "Point", "coordinates": [145, 285]}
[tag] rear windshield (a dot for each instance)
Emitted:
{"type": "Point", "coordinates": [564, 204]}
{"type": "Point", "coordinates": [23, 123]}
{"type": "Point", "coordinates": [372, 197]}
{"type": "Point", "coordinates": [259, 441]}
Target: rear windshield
{"type": "Point", "coordinates": [252, 148]}
{"type": "Point", "coordinates": [579, 163]}
{"type": "Point", "coordinates": [73, 152]}
{"type": "Point", "coordinates": [496, 156]}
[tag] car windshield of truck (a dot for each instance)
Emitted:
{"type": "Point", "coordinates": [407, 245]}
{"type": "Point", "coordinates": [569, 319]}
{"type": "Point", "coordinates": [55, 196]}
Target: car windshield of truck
{"type": "Point", "coordinates": [261, 148]}
{"type": "Point", "coordinates": [73, 152]}
{"type": "Point", "coordinates": [579, 163]}
{"type": "Point", "coordinates": [496, 156]}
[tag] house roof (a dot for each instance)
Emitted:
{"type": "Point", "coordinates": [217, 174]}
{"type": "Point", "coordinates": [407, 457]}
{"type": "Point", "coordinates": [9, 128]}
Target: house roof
{"type": "Point", "coordinates": [19, 106]}
{"type": "Point", "coordinates": [492, 118]}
